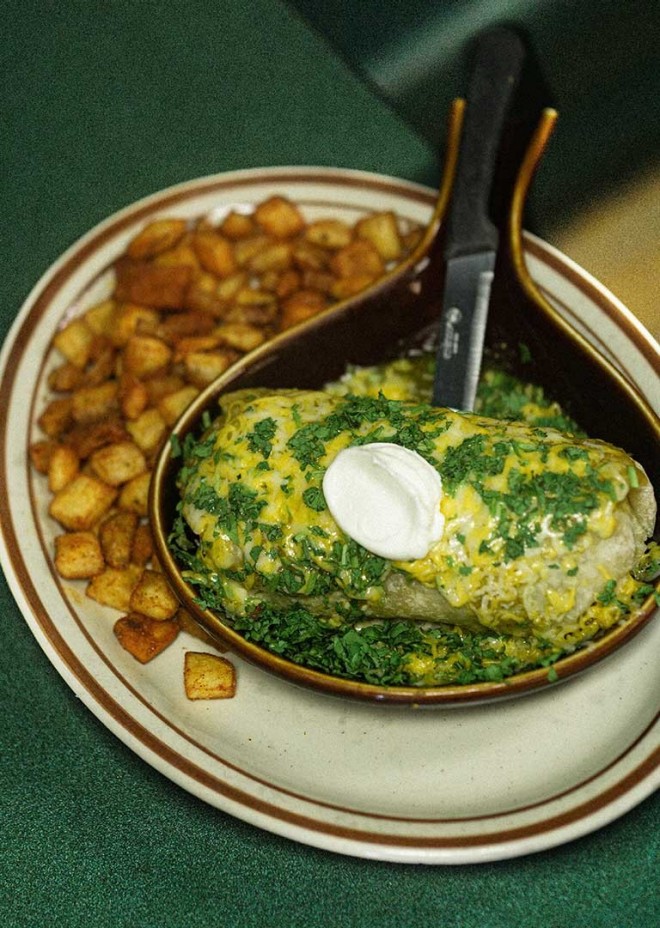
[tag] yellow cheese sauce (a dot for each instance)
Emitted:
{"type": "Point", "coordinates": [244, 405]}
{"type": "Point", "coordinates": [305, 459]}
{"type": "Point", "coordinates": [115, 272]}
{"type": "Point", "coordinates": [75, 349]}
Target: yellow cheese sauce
{"type": "Point", "coordinates": [541, 529]}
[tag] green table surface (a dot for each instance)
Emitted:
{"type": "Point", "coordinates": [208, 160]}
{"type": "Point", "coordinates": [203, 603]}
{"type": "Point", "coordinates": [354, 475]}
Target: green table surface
{"type": "Point", "coordinates": [105, 101]}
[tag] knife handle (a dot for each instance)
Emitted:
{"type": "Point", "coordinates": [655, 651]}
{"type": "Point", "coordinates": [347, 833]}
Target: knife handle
{"type": "Point", "coordinates": [497, 67]}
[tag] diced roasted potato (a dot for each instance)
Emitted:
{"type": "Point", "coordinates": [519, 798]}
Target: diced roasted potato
{"type": "Point", "coordinates": [62, 467]}
{"type": "Point", "coordinates": [40, 454]}
{"type": "Point", "coordinates": [133, 396]}
{"type": "Point", "coordinates": [101, 318]}
{"type": "Point", "coordinates": [156, 237]}
{"type": "Point", "coordinates": [208, 676]}
{"type": "Point", "coordinates": [118, 463]}
{"type": "Point", "coordinates": [146, 355]}
{"type": "Point", "coordinates": [114, 585]}
{"type": "Point", "coordinates": [300, 306]}
{"type": "Point", "coordinates": [329, 233]}
{"type": "Point", "coordinates": [237, 225]}
{"type": "Point", "coordinates": [143, 546]}
{"type": "Point", "coordinates": [93, 403]}
{"type": "Point", "coordinates": [85, 439]}
{"type": "Point", "coordinates": [239, 335]}
{"type": "Point", "coordinates": [154, 597]}
{"type": "Point", "coordinates": [133, 319]}
{"type": "Point", "coordinates": [159, 286]}
{"type": "Point", "coordinates": [359, 259]}
{"type": "Point", "coordinates": [78, 555]}
{"type": "Point", "coordinates": [172, 405]}
{"type": "Point", "coordinates": [135, 494]}
{"type": "Point", "coordinates": [66, 377]}
{"type": "Point", "coordinates": [215, 253]}
{"type": "Point", "coordinates": [148, 430]}
{"type": "Point", "coordinates": [82, 502]}
{"type": "Point", "coordinates": [275, 257]}
{"type": "Point", "coordinates": [144, 637]}
{"type": "Point", "coordinates": [74, 341]}
{"type": "Point", "coordinates": [57, 416]}
{"type": "Point", "coordinates": [117, 538]}
{"type": "Point", "coordinates": [204, 366]}
{"type": "Point", "coordinates": [279, 217]}
{"type": "Point", "coordinates": [382, 230]}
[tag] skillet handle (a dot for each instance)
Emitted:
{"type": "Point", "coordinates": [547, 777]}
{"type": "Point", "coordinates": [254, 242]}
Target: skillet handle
{"type": "Point", "coordinates": [497, 67]}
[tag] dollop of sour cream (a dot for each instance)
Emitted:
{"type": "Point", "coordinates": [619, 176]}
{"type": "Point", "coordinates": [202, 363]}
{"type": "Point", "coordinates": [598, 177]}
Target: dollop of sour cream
{"type": "Point", "coordinates": [387, 498]}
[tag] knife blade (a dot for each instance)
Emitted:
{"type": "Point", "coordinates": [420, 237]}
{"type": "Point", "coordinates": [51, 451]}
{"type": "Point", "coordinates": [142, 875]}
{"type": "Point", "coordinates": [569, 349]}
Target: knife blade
{"type": "Point", "coordinates": [472, 238]}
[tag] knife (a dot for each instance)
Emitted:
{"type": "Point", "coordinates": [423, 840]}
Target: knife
{"type": "Point", "coordinates": [472, 238]}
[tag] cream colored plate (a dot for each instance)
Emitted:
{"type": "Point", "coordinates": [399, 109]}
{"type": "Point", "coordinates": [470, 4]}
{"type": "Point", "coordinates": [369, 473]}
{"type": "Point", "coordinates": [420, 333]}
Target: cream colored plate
{"type": "Point", "coordinates": [435, 786]}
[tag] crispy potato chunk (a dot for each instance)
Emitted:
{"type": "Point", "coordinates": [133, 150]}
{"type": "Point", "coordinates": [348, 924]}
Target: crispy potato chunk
{"type": "Point", "coordinates": [117, 537]}
{"type": "Point", "coordinates": [62, 467]}
{"type": "Point", "coordinates": [82, 502]}
{"type": "Point", "coordinates": [300, 306]}
{"type": "Point", "coordinates": [156, 237]}
{"type": "Point", "coordinates": [156, 285]}
{"type": "Point", "coordinates": [143, 545]}
{"type": "Point", "coordinates": [143, 637]}
{"type": "Point", "coordinates": [329, 233]}
{"type": "Point", "coordinates": [40, 454]}
{"type": "Point", "coordinates": [382, 231]}
{"type": "Point", "coordinates": [146, 355]}
{"type": "Point", "coordinates": [215, 253]}
{"type": "Point", "coordinates": [279, 217]}
{"type": "Point", "coordinates": [208, 676]}
{"type": "Point", "coordinates": [204, 366]}
{"type": "Point", "coordinates": [148, 430]}
{"type": "Point", "coordinates": [133, 319]}
{"type": "Point", "coordinates": [75, 342]}
{"type": "Point", "coordinates": [118, 463]}
{"type": "Point", "coordinates": [78, 555]}
{"type": "Point", "coordinates": [237, 225]}
{"type": "Point", "coordinates": [93, 403]}
{"type": "Point", "coordinates": [135, 494]}
{"type": "Point", "coordinates": [57, 416]}
{"type": "Point", "coordinates": [172, 405]}
{"type": "Point", "coordinates": [101, 317]}
{"type": "Point", "coordinates": [114, 586]}
{"type": "Point", "coordinates": [153, 596]}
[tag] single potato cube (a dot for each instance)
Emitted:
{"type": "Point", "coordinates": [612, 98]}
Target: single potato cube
{"type": "Point", "coordinates": [204, 366]}
{"type": "Point", "coordinates": [133, 319]}
{"type": "Point", "coordinates": [40, 454]}
{"type": "Point", "coordinates": [243, 337]}
{"type": "Point", "coordinates": [215, 253]}
{"type": "Point", "coordinates": [148, 430]}
{"type": "Point", "coordinates": [62, 467]}
{"type": "Point", "coordinates": [158, 286]}
{"type": "Point", "coordinates": [156, 237]}
{"type": "Point", "coordinates": [78, 556]}
{"type": "Point", "coordinates": [279, 217]}
{"type": "Point", "coordinates": [329, 233]}
{"type": "Point", "coordinates": [358, 259]}
{"type": "Point", "coordinates": [113, 586]}
{"type": "Point", "coordinates": [172, 405]}
{"type": "Point", "coordinates": [75, 342]}
{"type": "Point", "coordinates": [134, 495]}
{"type": "Point", "coordinates": [208, 676]}
{"type": "Point", "coordinates": [143, 545]}
{"type": "Point", "coordinates": [66, 377]}
{"type": "Point", "coordinates": [117, 537]}
{"type": "Point", "coordinates": [57, 416]}
{"type": "Point", "coordinates": [93, 403]}
{"type": "Point", "coordinates": [102, 317]}
{"type": "Point", "coordinates": [146, 355]}
{"type": "Point", "coordinates": [154, 597]}
{"type": "Point", "coordinates": [82, 502]}
{"type": "Point", "coordinates": [382, 231]}
{"type": "Point", "coordinates": [118, 463]}
{"type": "Point", "coordinates": [133, 396]}
{"type": "Point", "coordinates": [237, 225]}
{"type": "Point", "coordinates": [300, 306]}
{"type": "Point", "coordinates": [143, 637]}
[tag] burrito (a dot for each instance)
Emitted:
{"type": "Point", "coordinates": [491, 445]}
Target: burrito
{"type": "Point", "coordinates": [363, 508]}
